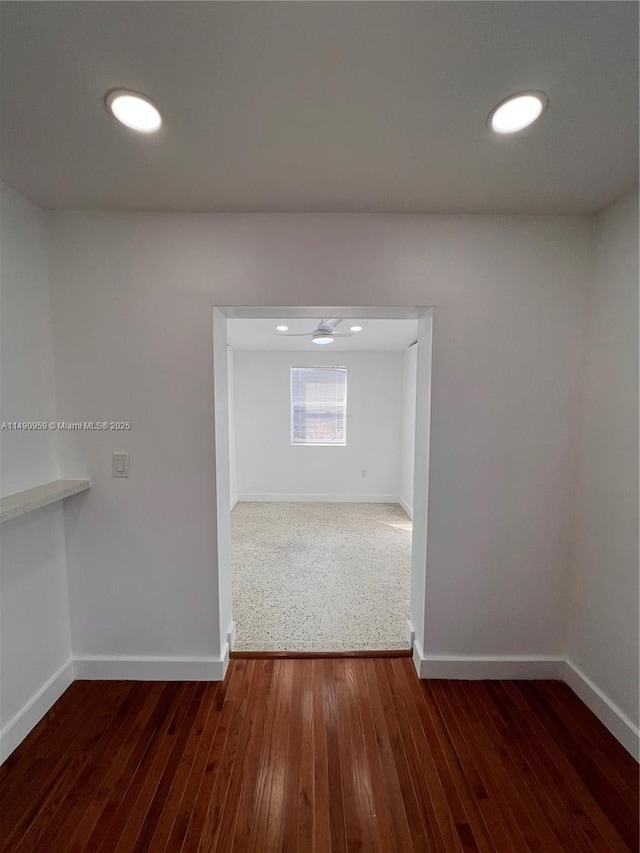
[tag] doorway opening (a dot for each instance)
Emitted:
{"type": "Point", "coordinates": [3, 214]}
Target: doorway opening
{"type": "Point", "coordinates": [322, 521]}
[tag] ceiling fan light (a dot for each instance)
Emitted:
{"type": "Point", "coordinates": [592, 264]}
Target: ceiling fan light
{"type": "Point", "coordinates": [322, 338]}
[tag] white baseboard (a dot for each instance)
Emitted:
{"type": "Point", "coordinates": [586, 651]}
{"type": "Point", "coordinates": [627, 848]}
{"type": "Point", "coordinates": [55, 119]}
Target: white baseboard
{"type": "Point", "coordinates": [321, 498]}
{"type": "Point", "coordinates": [224, 657]}
{"type": "Point", "coordinates": [231, 636]}
{"type": "Point", "coordinates": [30, 715]}
{"type": "Point", "coordinates": [418, 658]}
{"type": "Point", "coordinates": [620, 726]}
{"type": "Point", "coordinates": [152, 668]}
{"type": "Point", "coordinates": [411, 634]}
{"type": "Point", "coordinates": [470, 668]}
{"type": "Point", "coordinates": [405, 506]}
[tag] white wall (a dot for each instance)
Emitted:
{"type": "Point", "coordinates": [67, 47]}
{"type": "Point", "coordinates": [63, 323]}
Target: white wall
{"type": "Point", "coordinates": [28, 391]}
{"type": "Point", "coordinates": [270, 468]}
{"type": "Point", "coordinates": [603, 632]}
{"type": "Point", "coordinates": [233, 464]}
{"type": "Point", "coordinates": [34, 618]}
{"type": "Point", "coordinates": [132, 331]}
{"type": "Point", "coordinates": [408, 440]}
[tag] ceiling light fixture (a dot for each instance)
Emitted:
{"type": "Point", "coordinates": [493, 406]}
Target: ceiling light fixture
{"type": "Point", "coordinates": [282, 328]}
{"type": "Point", "coordinates": [355, 328]}
{"type": "Point", "coordinates": [134, 110]}
{"type": "Point", "coordinates": [322, 338]}
{"type": "Point", "coordinates": [517, 111]}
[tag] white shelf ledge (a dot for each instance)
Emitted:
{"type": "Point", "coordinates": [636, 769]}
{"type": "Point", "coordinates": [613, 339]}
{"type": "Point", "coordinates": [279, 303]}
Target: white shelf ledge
{"type": "Point", "coordinates": [14, 505]}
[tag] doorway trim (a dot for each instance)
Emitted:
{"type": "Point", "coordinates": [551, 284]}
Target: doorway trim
{"type": "Point", "coordinates": [424, 316]}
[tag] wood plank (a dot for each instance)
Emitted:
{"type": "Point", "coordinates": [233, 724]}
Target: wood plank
{"type": "Point", "coordinates": [212, 794]}
{"type": "Point", "coordinates": [241, 768]}
{"type": "Point", "coordinates": [86, 736]}
{"type": "Point", "coordinates": [319, 756]}
{"type": "Point", "coordinates": [352, 768]}
{"type": "Point", "coordinates": [471, 830]}
{"type": "Point", "coordinates": [611, 767]}
{"type": "Point", "coordinates": [525, 754]}
{"type": "Point", "coordinates": [584, 760]}
{"type": "Point", "coordinates": [165, 824]}
{"type": "Point", "coordinates": [591, 732]}
{"type": "Point", "coordinates": [321, 814]}
{"type": "Point", "coordinates": [95, 816]}
{"type": "Point", "coordinates": [134, 809]}
{"type": "Point", "coordinates": [426, 785]}
{"type": "Point", "coordinates": [451, 818]}
{"type": "Point", "coordinates": [291, 792]}
{"type": "Point", "coordinates": [417, 821]}
{"type": "Point", "coordinates": [93, 783]}
{"type": "Point", "coordinates": [252, 774]}
{"type": "Point", "coordinates": [259, 817]}
{"type": "Point", "coordinates": [534, 821]}
{"type": "Point", "coordinates": [595, 823]}
{"type": "Point", "coordinates": [490, 807]}
{"type": "Point", "coordinates": [501, 787]}
{"type": "Point", "coordinates": [306, 793]}
{"type": "Point", "coordinates": [221, 703]}
{"type": "Point", "coordinates": [115, 824]}
{"type": "Point", "coordinates": [390, 826]}
{"type": "Point", "coordinates": [273, 834]}
{"type": "Point", "coordinates": [335, 802]}
{"type": "Point", "coordinates": [392, 789]}
{"type": "Point", "coordinates": [143, 827]}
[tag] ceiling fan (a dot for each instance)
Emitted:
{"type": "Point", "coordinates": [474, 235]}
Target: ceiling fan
{"type": "Point", "coordinates": [324, 333]}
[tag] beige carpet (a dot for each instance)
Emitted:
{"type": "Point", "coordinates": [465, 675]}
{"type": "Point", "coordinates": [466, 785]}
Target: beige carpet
{"type": "Point", "coordinates": [320, 576]}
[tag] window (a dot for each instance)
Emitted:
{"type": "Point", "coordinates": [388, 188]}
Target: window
{"type": "Point", "coordinates": [319, 405]}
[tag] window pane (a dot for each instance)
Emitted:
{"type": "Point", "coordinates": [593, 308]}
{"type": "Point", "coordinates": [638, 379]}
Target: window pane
{"type": "Point", "coordinates": [318, 405]}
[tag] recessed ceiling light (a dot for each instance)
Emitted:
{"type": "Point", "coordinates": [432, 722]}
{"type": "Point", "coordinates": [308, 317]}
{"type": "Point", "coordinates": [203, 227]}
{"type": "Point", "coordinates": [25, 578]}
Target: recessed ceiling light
{"type": "Point", "coordinates": [517, 111]}
{"type": "Point", "coordinates": [356, 328]}
{"type": "Point", "coordinates": [134, 110]}
{"type": "Point", "coordinates": [282, 328]}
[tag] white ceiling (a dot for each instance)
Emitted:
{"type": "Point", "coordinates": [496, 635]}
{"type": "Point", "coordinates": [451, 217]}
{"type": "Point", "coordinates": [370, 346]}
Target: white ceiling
{"type": "Point", "coordinates": [376, 335]}
{"type": "Point", "coordinates": [320, 106]}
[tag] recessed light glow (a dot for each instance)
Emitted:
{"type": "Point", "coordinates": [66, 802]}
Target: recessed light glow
{"type": "Point", "coordinates": [356, 328]}
{"type": "Point", "coordinates": [322, 339]}
{"type": "Point", "coordinates": [134, 110]}
{"type": "Point", "coordinates": [517, 111]}
{"type": "Point", "coordinates": [282, 328]}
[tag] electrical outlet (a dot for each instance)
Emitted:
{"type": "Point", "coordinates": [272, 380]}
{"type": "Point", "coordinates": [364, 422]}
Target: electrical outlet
{"type": "Point", "coordinates": [120, 465]}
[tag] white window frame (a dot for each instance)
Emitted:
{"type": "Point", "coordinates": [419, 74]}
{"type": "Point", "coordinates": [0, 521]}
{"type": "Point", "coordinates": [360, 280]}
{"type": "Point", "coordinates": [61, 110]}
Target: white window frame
{"type": "Point", "coordinates": [317, 443]}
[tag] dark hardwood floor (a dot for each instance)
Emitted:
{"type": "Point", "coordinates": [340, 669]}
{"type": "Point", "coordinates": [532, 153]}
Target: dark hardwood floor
{"type": "Point", "coordinates": [318, 756]}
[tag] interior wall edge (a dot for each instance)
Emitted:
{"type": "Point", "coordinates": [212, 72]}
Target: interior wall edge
{"type": "Point", "coordinates": [17, 729]}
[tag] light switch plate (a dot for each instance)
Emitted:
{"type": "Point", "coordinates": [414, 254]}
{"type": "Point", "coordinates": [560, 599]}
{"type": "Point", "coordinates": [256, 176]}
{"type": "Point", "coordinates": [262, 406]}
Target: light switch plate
{"type": "Point", "coordinates": [120, 465]}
